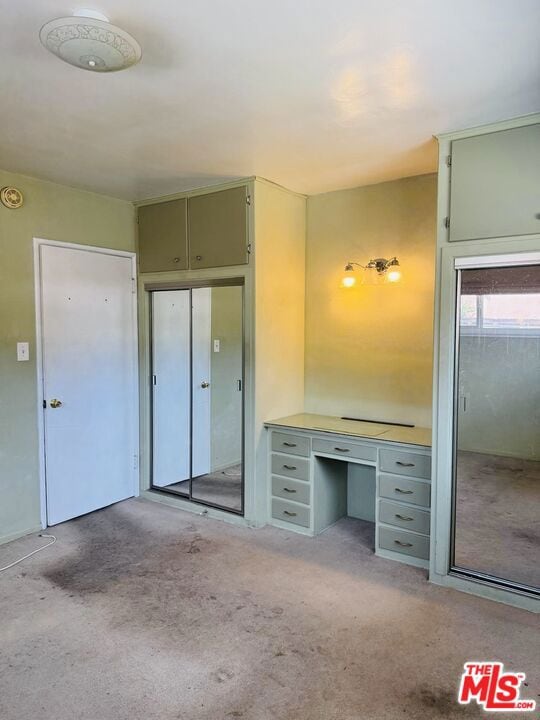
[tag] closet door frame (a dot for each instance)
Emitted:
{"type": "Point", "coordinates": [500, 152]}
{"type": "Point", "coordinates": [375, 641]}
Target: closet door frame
{"type": "Point", "coordinates": [190, 285]}
{"type": "Point", "coordinates": [490, 253]}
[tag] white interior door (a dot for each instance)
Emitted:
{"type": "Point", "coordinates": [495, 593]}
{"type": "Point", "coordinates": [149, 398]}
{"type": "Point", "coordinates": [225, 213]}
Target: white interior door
{"type": "Point", "coordinates": [171, 386]}
{"type": "Point", "coordinates": [202, 382]}
{"type": "Point", "coordinates": [89, 379]}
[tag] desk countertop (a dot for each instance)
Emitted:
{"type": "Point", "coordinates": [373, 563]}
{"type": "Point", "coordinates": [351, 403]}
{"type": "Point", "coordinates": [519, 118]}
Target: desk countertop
{"type": "Point", "coordinates": [355, 428]}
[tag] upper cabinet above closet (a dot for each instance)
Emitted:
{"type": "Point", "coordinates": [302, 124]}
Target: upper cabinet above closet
{"type": "Point", "coordinates": [495, 184]}
{"type": "Point", "coordinates": [218, 233]}
{"type": "Point", "coordinates": [203, 231]}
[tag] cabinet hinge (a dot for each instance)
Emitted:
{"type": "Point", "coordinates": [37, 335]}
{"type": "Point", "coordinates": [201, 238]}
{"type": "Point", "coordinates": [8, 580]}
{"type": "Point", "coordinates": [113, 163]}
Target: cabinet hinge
{"type": "Point", "coordinates": [449, 160]}
{"type": "Point", "coordinates": [248, 199]}
{"type": "Point", "coordinates": [447, 222]}
{"type": "Point", "coordinates": [249, 248]}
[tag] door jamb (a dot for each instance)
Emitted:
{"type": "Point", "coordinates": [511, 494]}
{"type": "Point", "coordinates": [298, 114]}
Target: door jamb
{"type": "Point", "coordinates": [38, 243]}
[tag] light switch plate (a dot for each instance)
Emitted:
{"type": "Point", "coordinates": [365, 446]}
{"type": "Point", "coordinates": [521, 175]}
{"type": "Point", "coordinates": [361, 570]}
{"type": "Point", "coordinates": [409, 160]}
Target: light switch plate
{"type": "Point", "coordinates": [23, 351]}
{"type": "Point", "coordinates": [217, 344]}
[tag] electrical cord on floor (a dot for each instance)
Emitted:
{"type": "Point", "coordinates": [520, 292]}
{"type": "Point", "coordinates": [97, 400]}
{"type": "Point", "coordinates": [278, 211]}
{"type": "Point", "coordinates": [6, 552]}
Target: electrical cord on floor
{"type": "Point", "coordinates": [16, 562]}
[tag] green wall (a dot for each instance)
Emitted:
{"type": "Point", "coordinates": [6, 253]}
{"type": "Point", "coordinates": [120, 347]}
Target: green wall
{"type": "Point", "coordinates": [226, 369]}
{"type": "Point", "coordinates": [53, 212]}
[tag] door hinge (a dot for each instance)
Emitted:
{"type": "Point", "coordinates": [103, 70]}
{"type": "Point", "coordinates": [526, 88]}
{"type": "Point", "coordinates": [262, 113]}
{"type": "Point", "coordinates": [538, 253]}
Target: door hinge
{"type": "Point", "coordinates": [447, 222]}
{"type": "Point", "coordinates": [249, 248]}
{"type": "Point", "coordinates": [239, 385]}
{"type": "Point", "coordinates": [449, 161]}
{"type": "Point", "coordinates": [248, 199]}
{"type": "Point", "coordinates": [154, 379]}
{"type": "Point", "coordinates": [133, 285]}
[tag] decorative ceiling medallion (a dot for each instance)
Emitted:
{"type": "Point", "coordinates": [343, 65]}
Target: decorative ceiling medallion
{"type": "Point", "coordinates": [11, 197]}
{"type": "Point", "coordinates": [90, 44]}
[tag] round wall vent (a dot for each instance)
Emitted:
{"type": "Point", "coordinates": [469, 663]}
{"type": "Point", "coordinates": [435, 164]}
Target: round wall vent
{"type": "Point", "coordinates": [11, 197]}
{"type": "Point", "coordinates": [90, 43]}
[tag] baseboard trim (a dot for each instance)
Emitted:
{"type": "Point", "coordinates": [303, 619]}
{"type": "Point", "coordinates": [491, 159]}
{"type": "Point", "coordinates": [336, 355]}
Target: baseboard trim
{"type": "Point", "coordinates": [22, 533]}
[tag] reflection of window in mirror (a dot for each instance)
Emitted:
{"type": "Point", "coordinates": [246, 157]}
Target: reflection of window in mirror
{"type": "Point", "coordinates": [500, 314]}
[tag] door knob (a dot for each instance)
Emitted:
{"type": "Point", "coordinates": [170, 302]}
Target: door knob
{"type": "Point", "coordinates": [205, 385]}
{"type": "Point", "coordinates": [55, 403]}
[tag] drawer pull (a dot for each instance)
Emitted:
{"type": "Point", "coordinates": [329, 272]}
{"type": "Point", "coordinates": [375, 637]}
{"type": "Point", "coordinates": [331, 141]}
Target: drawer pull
{"type": "Point", "coordinates": [288, 444]}
{"type": "Point", "coordinates": [402, 517]}
{"type": "Point", "coordinates": [403, 492]}
{"type": "Point", "coordinates": [290, 467]}
{"type": "Point", "coordinates": [342, 449]}
{"type": "Point", "coordinates": [290, 514]}
{"type": "Point", "coordinates": [288, 490]}
{"type": "Point", "coordinates": [398, 462]}
{"type": "Point", "coordinates": [403, 544]}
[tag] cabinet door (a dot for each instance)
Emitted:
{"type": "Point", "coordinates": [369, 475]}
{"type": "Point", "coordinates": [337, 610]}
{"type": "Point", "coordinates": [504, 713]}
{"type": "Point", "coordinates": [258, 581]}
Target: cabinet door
{"type": "Point", "coordinates": [495, 184]}
{"type": "Point", "coordinates": [218, 229]}
{"type": "Point", "coordinates": [163, 236]}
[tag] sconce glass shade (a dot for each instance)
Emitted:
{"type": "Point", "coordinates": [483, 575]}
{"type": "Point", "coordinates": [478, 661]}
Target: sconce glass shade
{"type": "Point", "coordinates": [348, 281]}
{"type": "Point", "coordinates": [393, 275]}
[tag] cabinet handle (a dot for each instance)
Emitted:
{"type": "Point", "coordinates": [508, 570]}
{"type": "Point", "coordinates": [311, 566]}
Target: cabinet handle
{"type": "Point", "coordinates": [398, 462]}
{"type": "Point", "coordinates": [342, 449]}
{"type": "Point", "coordinates": [402, 517]}
{"type": "Point", "coordinates": [290, 514]}
{"type": "Point", "coordinates": [288, 490]}
{"type": "Point", "coordinates": [176, 260]}
{"type": "Point", "coordinates": [403, 492]}
{"type": "Point", "coordinates": [288, 444]}
{"type": "Point", "coordinates": [398, 542]}
{"type": "Point", "coordinates": [198, 257]}
{"type": "Point", "coordinates": [290, 467]}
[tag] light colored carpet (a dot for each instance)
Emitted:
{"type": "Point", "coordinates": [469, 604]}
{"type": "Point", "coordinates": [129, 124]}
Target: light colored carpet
{"type": "Point", "coordinates": [497, 516]}
{"type": "Point", "coordinates": [144, 612]}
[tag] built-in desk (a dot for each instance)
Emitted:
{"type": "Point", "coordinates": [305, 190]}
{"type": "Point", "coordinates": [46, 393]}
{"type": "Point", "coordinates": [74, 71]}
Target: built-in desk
{"type": "Point", "coordinates": [321, 468]}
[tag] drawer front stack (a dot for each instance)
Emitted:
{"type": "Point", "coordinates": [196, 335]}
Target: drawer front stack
{"type": "Point", "coordinates": [302, 500]}
{"type": "Point", "coordinates": [290, 481]}
{"type": "Point", "coordinates": [403, 503]}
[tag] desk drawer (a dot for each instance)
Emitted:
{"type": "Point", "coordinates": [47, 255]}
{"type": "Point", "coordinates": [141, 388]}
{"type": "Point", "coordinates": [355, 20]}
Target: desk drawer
{"type": "Point", "coordinates": [345, 449]}
{"type": "Point", "coordinates": [402, 462]}
{"type": "Point", "coordinates": [291, 444]}
{"type": "Point", "coordinates": [294, 467]}
{"type": "Point", "coordinates": [289, 512]}
{"type": "Point", "coordinates": [404, 516]}
{"type": "Point", "coordinates": [296, 490]}
{"type": "Point", "coordinates": [404, 542]}
{"type": "Point", "coordinates": [405, 490]}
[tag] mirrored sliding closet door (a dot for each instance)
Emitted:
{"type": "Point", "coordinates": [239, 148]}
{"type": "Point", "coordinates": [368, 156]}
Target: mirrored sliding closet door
{"type": "Point", "coordinates": [198, 394]}
{"type": "Point", "coordinates": [496, 529]}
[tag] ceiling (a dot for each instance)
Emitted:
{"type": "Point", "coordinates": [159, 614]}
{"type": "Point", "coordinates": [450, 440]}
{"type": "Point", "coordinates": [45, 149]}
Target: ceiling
{"type": "Point", "coordinates": [313, 95]}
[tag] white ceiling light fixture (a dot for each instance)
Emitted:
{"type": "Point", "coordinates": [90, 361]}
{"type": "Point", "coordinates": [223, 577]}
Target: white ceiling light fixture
{"type": "Point", "coordinates": [89, 41]}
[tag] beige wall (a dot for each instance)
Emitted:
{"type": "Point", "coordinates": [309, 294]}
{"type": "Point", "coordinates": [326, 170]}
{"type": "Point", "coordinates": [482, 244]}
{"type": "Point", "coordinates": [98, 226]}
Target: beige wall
{"type": "Point", "coordinates": [279, 253]}
{"type": "Point", "coordinates": [369, 348]}
{"type": "Point", "coordinates": [57, 213]}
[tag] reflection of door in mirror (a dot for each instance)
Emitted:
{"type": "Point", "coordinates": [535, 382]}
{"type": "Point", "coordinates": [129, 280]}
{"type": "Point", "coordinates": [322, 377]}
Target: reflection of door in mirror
{"type": "Point", "coordinates": [497, 438]}
{"type": "Point", "coordinates": [222, 483]}
{"type": "Point", "coordinates": [197, 394]}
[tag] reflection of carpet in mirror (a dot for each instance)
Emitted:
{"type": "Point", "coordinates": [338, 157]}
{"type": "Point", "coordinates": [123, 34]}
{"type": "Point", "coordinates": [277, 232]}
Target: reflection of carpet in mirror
{"type": "Point", "coordinates": [223, 487]}
{"type": "Point", "coordinates": [497, 516]}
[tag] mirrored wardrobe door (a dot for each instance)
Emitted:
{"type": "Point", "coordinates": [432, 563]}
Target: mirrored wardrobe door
{"type": "Point", "coordinates": [497, 428]}
{"type": "Point", "coordinates": [171, 416]}
{"type": "Point", "coordinates": [218, 374]}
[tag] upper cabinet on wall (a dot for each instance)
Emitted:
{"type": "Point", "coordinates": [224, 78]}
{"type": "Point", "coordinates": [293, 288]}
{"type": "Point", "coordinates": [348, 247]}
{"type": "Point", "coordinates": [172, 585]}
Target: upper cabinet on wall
{"type": "Point", "coordinates": [202, 231]}
{"type": "Point", "coordinates": [495, 184]}
{"type": "Point", "coordinates": [218, 233]}
{"type": "Point", "coordinates": [163, 241]}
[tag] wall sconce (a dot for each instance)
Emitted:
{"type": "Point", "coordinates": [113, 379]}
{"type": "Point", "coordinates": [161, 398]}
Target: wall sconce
{"type": "Point", "coordinates": [377, 271]}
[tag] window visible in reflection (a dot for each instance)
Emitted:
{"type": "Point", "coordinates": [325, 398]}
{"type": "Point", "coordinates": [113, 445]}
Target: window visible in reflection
{"type": "Point", "coordinates": [497, 468]}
